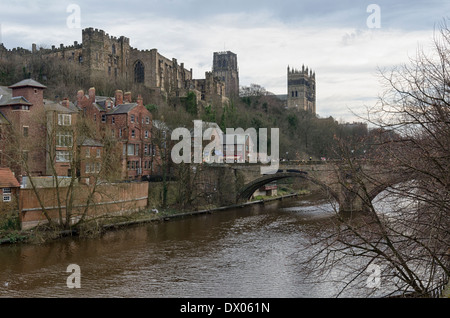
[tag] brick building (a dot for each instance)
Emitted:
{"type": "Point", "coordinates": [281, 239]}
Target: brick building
{"type": "Point", "coordinates": [23, 135]}
{"type": "Point", "coordinates": [9, 188]}
{"type": "Point", "coordinates": [128, 123]}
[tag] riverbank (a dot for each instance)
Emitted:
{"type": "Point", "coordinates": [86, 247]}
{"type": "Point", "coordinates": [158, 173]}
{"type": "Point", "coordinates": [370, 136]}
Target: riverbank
{"type": "Point", "coordinates": [98, 226]}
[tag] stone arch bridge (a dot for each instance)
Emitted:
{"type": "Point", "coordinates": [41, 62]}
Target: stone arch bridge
{"type": "Point", "coordinates": [352, 185]}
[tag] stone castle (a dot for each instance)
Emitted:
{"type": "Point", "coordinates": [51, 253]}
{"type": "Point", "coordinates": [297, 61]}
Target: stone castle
{"type": "Point", "coordinates": [112, 58]}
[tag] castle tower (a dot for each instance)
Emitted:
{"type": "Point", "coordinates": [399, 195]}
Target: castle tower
{"type": "Point", "coordinates": [302, 89]}
{"type": "Point", "coordinates": [105, 56]}
{"type": "Point", "coordinates": [225, 67]}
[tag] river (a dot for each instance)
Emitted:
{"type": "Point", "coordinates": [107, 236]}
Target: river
{"type": "Point", "coordinates": [253, 251]}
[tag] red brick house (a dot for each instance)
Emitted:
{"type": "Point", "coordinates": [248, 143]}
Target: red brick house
{"type": "Point", "coordinates": [130, 123]}
{"type": "Point", "coordinates": [9, 188]}
{"type": "Point", "coordinates": [24, 110]}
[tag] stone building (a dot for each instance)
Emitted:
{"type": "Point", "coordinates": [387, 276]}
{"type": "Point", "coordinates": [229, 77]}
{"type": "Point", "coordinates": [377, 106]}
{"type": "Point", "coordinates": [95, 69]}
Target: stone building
{"type": "Point", "coordinates": [112, 58]}
{"type": "Point", "coordinates": [301, 89]}
{"type": "Point", "coordinates": [225, 67]}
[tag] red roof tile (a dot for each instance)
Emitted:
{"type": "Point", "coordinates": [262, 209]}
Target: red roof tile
{"type": "Point", "coordinates": [7, 179]}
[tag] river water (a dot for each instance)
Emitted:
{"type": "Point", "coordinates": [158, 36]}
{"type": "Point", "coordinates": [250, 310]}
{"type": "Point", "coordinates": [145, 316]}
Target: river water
{"type": "Point", "coordinates": [253, 251]}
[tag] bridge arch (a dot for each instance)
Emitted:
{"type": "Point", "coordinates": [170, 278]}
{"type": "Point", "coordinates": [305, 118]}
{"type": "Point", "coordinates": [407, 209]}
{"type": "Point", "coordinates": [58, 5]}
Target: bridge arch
{"type": "Point", "coordinates": [248, 189]}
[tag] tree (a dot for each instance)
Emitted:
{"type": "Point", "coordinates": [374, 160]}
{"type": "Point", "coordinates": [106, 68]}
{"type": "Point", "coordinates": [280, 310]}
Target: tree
{"type": "Point", "coordinates": [61, 144]}
{"type": "Point", "coordinates": [409, 242]}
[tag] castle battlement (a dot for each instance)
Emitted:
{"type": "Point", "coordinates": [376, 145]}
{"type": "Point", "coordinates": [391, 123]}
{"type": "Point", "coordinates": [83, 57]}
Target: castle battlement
{"type": "Point", "coordinates": [304, 71]}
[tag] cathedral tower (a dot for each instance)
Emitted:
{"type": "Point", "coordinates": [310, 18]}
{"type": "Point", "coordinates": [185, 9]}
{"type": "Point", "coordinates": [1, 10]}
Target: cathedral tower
{"type": "Point", "coordinates": [302, 89]}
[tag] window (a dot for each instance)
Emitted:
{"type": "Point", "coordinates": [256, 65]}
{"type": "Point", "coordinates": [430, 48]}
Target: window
{"type": "Point", "coordinates": [98, 153]}
{"type": "Point", "coordinates": [21, 107]}
{"type": "Point", "coordinates": [64, 139]}
{"type": "Point", "coordinates": [62, 156]}
{"type": "Point", "coordinates": [132, 118]}
{"type": "Point", "coordinates": [133, 134]}
{"type": "Point", "coordinates": [146, 149]}
{"type": "Point", "coordinates": [6, 194]}
{"type": "Point", "coordinates": [147, 120]}
{"type": "Point", "coordinates": [146, 134]}
{"type": "Point", "coordinates": [136, 152]}
{"type": "Point", "coordinates": [98, 167]}
{"type": "Point", "coordinates": [113, 120]}
{"type": "Point", "coordinates": [25, 131]}
{"type": "Point", "coordinates": [103, 118]}
{"type": "Point", "coordinates": [139, 72]}
{"type": "Point", "coordinates": [88, 152]}
{"type": "Point", "coordinates": [130, 150]}
{"type": "Point", "coordinates": [64, 119]}
{"type": "Point", "coordinates": [88, 167]}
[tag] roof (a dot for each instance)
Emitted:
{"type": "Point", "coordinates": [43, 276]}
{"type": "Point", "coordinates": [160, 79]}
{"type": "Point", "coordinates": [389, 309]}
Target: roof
{"type": "Point", "coordinates": [28, 82]}
{"type": "Point", "coordinates": [122, 109]}
{"type": "Point", "coordinates": [52, 106]}
{"type": "Point", "coordinates": [18, 100]}
{"type": "Point", "coordinates": [89, 142]}
{"type": "Point", "coordinates": [3, 119]}
{"type": "Point", "coordinates": [7, 179]}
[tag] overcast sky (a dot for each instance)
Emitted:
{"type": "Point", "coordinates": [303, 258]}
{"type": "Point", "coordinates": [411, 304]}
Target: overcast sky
{"type": "Point", "coordinates": [341, 40]}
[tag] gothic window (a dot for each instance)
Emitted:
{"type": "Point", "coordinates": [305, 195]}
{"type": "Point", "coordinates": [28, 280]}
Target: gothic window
{"type": "Point", "coordinates": [139, 72]}
{"type": "Point", "coordinates": [113, 49]}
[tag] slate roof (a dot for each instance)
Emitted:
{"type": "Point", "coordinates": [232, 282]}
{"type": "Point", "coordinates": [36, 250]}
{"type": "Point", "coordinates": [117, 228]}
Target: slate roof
{"type": "Point", "coordinates": [4, 120]}
{"type": "Point", "coordinates": [49, 105]}
{"type": "Point", "coordinates": [122, 109]}
{"type": "Point", "coordinates": [89, 142]}
{"type": "Point", "coordinates": [28, 82]}
{"type": "Point", "coordinates": [7, 179]}
{"type": "Point", "coordinates": [18, 100]}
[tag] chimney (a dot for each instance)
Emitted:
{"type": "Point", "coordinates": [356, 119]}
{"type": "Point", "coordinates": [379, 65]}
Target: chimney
{"type": "Point", "coordinates": [119, 97]}
{"type": "Point", "coordinates": [140, 101]}
{"type": "Point", "coordinates": [80, 95]}
{"type": "Point", "coordinates": [92, 94]}
{"type": "Point", "coordinates": [127, 97]}
{"type": "Point", "coordinates": [65, 102]}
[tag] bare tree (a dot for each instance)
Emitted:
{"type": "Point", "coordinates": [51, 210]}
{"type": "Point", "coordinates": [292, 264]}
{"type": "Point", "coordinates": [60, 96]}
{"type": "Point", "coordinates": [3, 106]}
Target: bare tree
{"type": "Point", "coordinates": [406, 235]}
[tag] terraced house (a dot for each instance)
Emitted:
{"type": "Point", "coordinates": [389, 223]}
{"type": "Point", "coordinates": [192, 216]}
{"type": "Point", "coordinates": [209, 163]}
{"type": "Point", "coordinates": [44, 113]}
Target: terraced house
{"type": "Point", "coordinates": [39, 137]}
